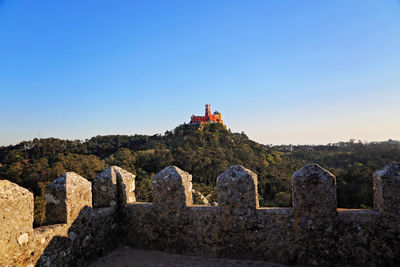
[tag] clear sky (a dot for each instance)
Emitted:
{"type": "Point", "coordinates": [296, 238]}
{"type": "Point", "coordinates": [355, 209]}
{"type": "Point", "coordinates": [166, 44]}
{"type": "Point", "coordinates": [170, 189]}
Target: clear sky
{"type": "Point", "coordinates": [282, 71]}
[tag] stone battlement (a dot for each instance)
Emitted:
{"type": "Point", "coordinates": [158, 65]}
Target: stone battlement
{"type": "Point", "coordinates": [86, 219]}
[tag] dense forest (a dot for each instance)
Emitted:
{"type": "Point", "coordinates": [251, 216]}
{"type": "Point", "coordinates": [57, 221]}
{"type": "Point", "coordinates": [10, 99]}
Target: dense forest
{"type": "Point", "coordinates": [205, 151]}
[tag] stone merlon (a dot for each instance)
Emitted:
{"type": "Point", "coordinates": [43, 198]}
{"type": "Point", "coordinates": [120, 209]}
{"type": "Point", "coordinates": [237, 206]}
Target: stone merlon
{"type": "Point", "coordinates": [313, 231]}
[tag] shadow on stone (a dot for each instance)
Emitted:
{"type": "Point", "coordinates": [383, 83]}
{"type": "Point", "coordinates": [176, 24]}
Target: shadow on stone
{"type": "Point", "coordinates": [313, 232]}
{"type": "Point", "coordinates": [86, 232]}
{"type": "Point", "coordinates": [88, 237]}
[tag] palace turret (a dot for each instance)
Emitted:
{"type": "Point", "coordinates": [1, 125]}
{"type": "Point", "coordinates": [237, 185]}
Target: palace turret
{"type": "Point", "coordinates": [209, 117]}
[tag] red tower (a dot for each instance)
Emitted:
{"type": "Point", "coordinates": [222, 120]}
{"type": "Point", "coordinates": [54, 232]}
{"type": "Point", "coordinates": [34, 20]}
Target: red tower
{"type": "Point", "coordinates": [208, 117]}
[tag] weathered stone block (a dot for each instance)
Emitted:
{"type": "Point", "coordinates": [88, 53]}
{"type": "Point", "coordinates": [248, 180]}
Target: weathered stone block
{"type": "Point", "coordinates": [105, 188]}
{"type": "Point", "coordinates": [16, 219]}
{"type": "Point", "coordinates": [66, 197]}
{"type": "Point", "coordinates": [112, 185]}
{"type": "Point", "coordinates": [314, 192]}
{"type": "Point", "coordinates": [126, 185]}
{"type": "Point", "coordinates": [172, 189]}
{"type": "Point", "coordinates": [237, 190]}
{"type": "Point", "coordinates": [233, 229]}
{"type": "Point", "coordinates": [387, 189]}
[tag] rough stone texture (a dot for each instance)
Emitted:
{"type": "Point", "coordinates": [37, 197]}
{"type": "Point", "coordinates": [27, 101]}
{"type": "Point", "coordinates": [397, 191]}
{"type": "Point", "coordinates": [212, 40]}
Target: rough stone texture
{"type": "Point", "coordinates": [238, 229]}
{"type": "Point", "coordinates": [172, 189]}
{"type": "Point", "coordinates": [66, 197]}
{"type": "Point", "coordinates": [113, 184]}
{"type": "Point", "coordinates": [387, 189]}
{"type": "Point", "coordinates": [237, 190]}
{"type": "Point", "coordinates": [16, 219]}
{"type": "Point", "coordinates": [42, 238]}
{"type": "Point", "coordinates": [126, 181]}
{"type": "Point", "coordinates": [314, 192]}
{"type": "Point", "coordinates": [308, 235]}
{"type": "Point", "coordinates": [237, 204]}
{"type": "Point", "coordinates": [90, 236]}
{"type": "Point", "coordinates": [128, 257]}
{"type": "Point", "coordinates": [105, 188]}
{"type": "Point", "coordinates": [172, 193]}
{"type": "Point", "coordinates": [75, 245]}
{"type": "Point", "coordinates": [315, 212]}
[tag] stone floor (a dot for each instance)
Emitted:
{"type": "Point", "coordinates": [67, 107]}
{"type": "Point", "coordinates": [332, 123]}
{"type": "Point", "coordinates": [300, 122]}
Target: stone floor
{"type": "Point", "coordinates": [126, 257]}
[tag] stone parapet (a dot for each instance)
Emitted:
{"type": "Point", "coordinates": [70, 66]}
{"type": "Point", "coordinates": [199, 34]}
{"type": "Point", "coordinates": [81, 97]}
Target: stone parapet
{"type": "Point", "coordinates": [172, 189]}
{"type": "Point", "coordinates": [76, 233]}
{"type": "Point", "coordinates": [237, 190]}
{"type": "Point", "coordinates": [387, 189]}
{"type": "Point", "coordinates": [66, 197]}
{"type": "Point", "coordinates": [16, 219]}
{"type": "Point", "coordinates": [113, 185]}
{"type": "Point", "coordinates": [313, 231]}
{"type": "Point", "coordinates": [314, 192]}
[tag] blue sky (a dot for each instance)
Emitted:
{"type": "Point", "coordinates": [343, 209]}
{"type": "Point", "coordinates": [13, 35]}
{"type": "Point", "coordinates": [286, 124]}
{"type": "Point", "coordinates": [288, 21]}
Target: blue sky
{"type": "Point", "coordinates": [282, 71]}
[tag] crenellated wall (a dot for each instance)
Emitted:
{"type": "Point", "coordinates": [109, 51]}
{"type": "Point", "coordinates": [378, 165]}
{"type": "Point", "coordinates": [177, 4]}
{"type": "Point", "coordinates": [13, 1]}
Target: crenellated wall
{"type": "Point", "coordinates": [75, 232]}
{"type": "Point", "coordinates": [86, 220]}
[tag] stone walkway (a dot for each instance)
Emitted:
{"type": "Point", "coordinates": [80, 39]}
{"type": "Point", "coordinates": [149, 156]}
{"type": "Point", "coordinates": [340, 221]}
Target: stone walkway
{"type": "Point", "coordinates": [127, 257]}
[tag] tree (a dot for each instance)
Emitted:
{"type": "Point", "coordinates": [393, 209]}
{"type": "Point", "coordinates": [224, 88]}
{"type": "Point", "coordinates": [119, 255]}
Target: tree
{"type": "Point", "coordinates": [122, 158]}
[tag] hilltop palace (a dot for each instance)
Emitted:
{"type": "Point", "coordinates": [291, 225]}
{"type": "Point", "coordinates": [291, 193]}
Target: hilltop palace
{"type": "Point", "coordinates": [208, 118]}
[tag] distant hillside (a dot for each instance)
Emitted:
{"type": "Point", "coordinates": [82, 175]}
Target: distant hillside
{"type": "Point", "coordinates": [204, 151]}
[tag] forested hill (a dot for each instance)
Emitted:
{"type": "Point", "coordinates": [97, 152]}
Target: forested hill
{"type": "Point", "coordinates": [205, 152]}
